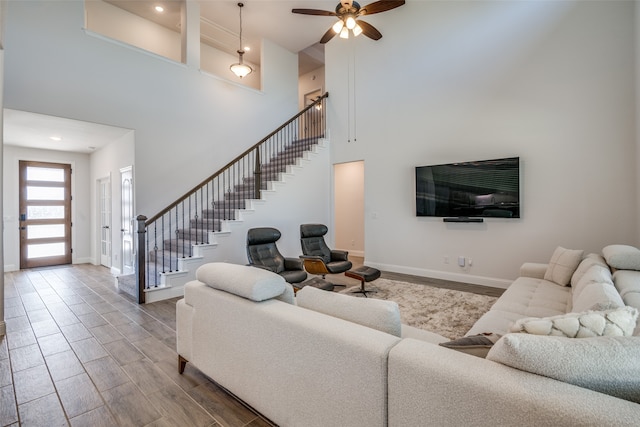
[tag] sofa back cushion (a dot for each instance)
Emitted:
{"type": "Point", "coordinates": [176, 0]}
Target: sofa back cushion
{"type": "Point", "coordinates": [588, 261]}
{"type": "Point", "coordinates": [628, 284]}
{"type": "Point", "coordinates": [248, 282]}
{"type": "Point", "coordinates": [373, 313]}
{"type": "Point", "coordinates": [622, 257]}
{"type": "Point", "coordinates": [562, 265]}
{"type": "Point", "coordinates": [594, 291]}
{"type": "Point", "coordinates": [604, 364]}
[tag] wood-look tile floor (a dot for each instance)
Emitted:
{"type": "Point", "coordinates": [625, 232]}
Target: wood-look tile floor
{"type": "Point", "coordinates": [79, 353]}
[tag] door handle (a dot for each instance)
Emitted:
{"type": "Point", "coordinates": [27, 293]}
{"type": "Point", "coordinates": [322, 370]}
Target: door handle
{"type": "Point", "coordinates": [106, 226]}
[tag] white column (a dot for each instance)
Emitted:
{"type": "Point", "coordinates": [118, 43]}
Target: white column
{"type": "Point", "coordinates": [191, 33]}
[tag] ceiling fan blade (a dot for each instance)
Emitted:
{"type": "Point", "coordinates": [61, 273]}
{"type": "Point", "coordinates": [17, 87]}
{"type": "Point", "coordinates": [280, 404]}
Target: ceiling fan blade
{"type": "Point", "coordinates": [369, 30]}
{"type": "Point", "coordinates": [313, 12]}
{"type": "Point", "coordinates": [327, 36]}
{"type": "Point", "coordinates": [380, 6]}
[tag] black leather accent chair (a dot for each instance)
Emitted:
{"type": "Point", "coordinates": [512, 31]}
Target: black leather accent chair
{"type": "Point", "coordinates": [262, 252]}
{"type": "Point", "coordinates": [318, 258]}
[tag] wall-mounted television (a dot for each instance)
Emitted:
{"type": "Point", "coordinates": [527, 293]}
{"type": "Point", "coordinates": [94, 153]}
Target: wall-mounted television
{"type": "Point", "coordinates": [480, 189]}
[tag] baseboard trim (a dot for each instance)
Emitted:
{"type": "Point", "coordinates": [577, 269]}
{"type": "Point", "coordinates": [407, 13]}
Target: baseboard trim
{"type": "Point", "coordinates": [443, 275]}
{"type": "Point", "coordinates": [10, 267]}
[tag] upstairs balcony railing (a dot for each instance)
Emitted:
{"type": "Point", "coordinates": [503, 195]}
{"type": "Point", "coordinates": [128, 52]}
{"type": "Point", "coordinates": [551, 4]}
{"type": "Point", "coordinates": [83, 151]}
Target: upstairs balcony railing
{"type": "Point", "coordinates": [171, 234]}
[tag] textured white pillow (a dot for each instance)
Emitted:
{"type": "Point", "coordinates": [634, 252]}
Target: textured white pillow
{"type": "Point", "coordinates": [248, 282]}
{"type": "Point", "coordinates": [617, 322]}
{"type": "Point", "coordinates": [562, 265]}
{"type": "Point", "coordinates": [622, 257]}
{"type": "Point", "coordinates": [608, 365]}
{"type": "Point", "coordinates": [373, 313]}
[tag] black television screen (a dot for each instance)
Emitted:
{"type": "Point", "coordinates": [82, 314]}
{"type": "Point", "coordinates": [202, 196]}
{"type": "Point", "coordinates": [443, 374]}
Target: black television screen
{"type": "Point", "coordinates": [487, 188]}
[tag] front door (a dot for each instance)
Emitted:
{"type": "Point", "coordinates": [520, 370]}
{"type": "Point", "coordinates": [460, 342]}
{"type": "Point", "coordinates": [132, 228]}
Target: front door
{"type": "Point", "coordinates": [45, 214]}
{"type": "Point", "coordinates": [128, 248]}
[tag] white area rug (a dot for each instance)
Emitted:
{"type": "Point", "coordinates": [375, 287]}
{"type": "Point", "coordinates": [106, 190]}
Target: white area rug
{"type": "Point", "coordinates": [447, 312]}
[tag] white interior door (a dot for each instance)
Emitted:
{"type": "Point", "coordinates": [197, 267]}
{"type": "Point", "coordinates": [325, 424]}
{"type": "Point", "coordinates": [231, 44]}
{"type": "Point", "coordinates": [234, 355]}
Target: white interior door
{"type": "Point", "coordinates": [128, 228]}
{"type": "Point", "coordinates": [104, 186]}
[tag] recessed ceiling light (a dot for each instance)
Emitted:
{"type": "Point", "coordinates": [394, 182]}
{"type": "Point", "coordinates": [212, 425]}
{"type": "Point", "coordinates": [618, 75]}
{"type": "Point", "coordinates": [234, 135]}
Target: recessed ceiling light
{"type": "Point", "coordinates": [55, 138]}
{"type": "Point", "coordinates": [159, 9]}
{"type": "Point", "coordinates": [247, 48]}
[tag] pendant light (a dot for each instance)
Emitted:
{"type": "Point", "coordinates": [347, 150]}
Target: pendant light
{"type": "Point", "coordinates": [241, 69]}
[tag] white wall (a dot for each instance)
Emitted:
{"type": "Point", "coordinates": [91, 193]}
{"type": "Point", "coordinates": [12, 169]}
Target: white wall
{"type": "Point", "coordinates": [187, 123]}
{"type": "Point", "coordinates": [310, 82]}
{"type": "Point", "coordinates": [551, 82]}
{"type": "Point", "coordinates": [107, 162]}
{"type": "Point", "coordinates": [81, 209]}
{"type": "Point", "coordinates": [119, 24]}
{"type": "Point", "coordinates": [348, 195]}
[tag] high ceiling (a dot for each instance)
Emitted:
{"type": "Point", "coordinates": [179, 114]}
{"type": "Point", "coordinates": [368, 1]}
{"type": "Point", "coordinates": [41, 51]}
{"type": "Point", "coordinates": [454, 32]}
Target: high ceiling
{"type": "Point", "coordinates": [219, 27]}
{"type": "Point", "coordinates": [270, 19]}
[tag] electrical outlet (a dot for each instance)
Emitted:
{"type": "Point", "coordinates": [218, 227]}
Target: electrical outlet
{"type": "Point", "coordinates": [461, 262]}
{"type": "Point", "coordinates": [470, 262]}
{"type": "Point", "coordinates": [446, 259]}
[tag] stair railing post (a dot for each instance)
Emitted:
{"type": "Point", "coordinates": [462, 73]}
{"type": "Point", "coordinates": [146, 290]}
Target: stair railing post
{"type": "Point", "coordinates": [142, 262]}
{"type": "Point", "coordinates": [257, 172]}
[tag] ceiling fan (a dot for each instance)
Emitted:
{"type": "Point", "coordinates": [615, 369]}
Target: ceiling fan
{"type": "Point", "coordinates": [348, 13]}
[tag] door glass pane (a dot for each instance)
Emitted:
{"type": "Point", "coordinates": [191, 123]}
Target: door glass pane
{"type": "Point", "coordinates": [45, 193]}
{"type": "Point", "coordinates": [45, 250]}
{"type": "Point", "coordinates": [45, 231]}
{"type": "Point", "coordinates": [45, 212]}
{"type": "Point", "coordinates": [45, 174]}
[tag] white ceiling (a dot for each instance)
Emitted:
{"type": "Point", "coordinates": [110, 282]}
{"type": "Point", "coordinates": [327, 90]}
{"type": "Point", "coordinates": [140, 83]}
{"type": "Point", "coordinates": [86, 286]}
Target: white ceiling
{"type": "Point", "coordinates": [32, 130]}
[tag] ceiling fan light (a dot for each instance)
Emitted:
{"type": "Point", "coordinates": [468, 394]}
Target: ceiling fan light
{"type": "Point", "coordinates": [337, 27]}
{"type": "Point", "coordinates": [357, 30]}
{"type": "Point", "coordinates": [344, 34]}
{"type": "Point", "coordinates": [350, 22]}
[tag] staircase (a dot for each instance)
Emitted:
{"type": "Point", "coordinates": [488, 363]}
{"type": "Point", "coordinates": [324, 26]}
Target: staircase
{"type": "Point", "coordinates": [187, 233]}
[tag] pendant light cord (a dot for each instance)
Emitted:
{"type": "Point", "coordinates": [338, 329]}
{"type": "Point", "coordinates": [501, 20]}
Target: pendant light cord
{"type": "Point", "coordinates": [241, 49]}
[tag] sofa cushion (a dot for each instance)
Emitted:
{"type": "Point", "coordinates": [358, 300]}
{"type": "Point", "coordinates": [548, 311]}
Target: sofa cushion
{"type": "Point", "coordinates": [605, 364]}
{"type": "Point", "coordinates": [627, 281]}
{"type": "Point", "coordinates": [253, 283]}
{"type": "Point", "coordinates": [373, 313]}
{"type": "Point", "coordinates": [616, 322]}
{"type": "Point", "coordinates": [622, 257]}
{"type": "Point", "coordinates": [588, 261]}
{"type": "Point", "coordinates": [562, 265]}
{"type": "Point", "coordinates": [597, 296]}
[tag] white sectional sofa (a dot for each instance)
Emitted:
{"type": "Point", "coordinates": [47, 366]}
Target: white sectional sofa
{"type": "Point", "coordinates": [327, 359]}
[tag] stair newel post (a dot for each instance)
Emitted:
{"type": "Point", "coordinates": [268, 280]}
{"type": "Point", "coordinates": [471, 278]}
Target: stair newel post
{"type": "Point", "coordinates": [258, 175]}
{"type": "Point", "coordinates": [142, 262]}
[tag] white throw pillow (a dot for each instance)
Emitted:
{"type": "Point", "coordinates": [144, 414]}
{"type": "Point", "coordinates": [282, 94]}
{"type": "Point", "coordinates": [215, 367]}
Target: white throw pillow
{"type": "Point", "coordinates": [373, 313]}
{"type": "Point", "coordinates": [562, 265]}
{"type": "Point", "coordinates": [605, 364]}
{"type": "Point", "coordinates": [622, 257]}
{"type": "Point", "coordinates": [617, 322]}
{"type": "Point", "coordinates": [248, 282]}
